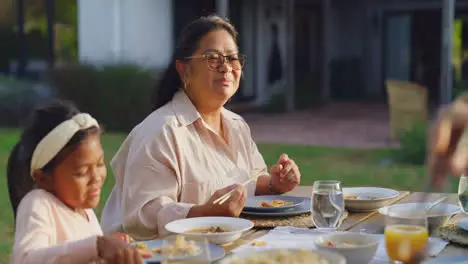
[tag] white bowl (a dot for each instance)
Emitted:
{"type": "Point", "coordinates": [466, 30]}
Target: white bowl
{"type": "Point", "coordinates": [363, 247]}
{"type": "Point", "coordinates": [439, 215]}
{"type": "Point", "coordinates": [235, 227]}
{"type": "Point", "coordinates": [329, 256]}
{"type": "Point", "coordinates": [383, 197]}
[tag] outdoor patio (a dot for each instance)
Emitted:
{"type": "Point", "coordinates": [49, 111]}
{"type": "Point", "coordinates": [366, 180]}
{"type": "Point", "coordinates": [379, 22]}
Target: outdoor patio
{"type": "Point", "coordinates": [363, 125]}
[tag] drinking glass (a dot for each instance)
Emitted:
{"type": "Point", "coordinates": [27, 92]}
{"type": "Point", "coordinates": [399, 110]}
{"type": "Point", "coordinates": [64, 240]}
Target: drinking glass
{"type": "Point", "coordinates": [463, 193]}
{"type": "Point", "coordinates": [406, 236]}
{"type": "Point", "coordinates": [181, 249]}
{"type": "Point", "coordinates": [327, 205]}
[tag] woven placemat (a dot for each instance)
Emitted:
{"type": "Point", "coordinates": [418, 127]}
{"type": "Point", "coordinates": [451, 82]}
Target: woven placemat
{"type": "Point", "coordinates": [301, 221]}
{"type": "Point", "coordinates": [453, 233]}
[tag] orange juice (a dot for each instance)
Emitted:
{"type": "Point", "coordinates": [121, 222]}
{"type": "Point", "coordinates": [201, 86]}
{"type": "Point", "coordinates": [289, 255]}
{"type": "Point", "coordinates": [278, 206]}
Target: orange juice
{"type": "Point", "coordinates": [406, 243]}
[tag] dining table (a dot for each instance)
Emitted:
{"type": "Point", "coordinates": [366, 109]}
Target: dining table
{"type": "Point", "coordinates": [368, 222]}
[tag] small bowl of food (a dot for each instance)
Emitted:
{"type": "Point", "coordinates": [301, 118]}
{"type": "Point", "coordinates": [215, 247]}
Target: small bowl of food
{"type": "Point", "coordinates": [287, 256]}
{"type": "Point", "coordinates": [438, 216]}
{"type": "Point", "coordinates": [217, 230]}
{"type": "Point", "coordinates": [355, 247]}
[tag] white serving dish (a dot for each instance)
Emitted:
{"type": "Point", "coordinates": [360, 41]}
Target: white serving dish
{"type": "Point", "coordinates": [236, 227]}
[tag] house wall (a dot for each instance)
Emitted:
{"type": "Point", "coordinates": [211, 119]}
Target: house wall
{"type": "Point", "coordinates": [375, 54]}
{"type": "Point", "coordinates": [264, 46]}
{"type": "Point", "coordinates": [347, 21]}
{"type": "Point", "coordinates": [357, 29]}
{"type": "Point", "coordinates": [345, 30]}
{"type": "Point", "coordinates": [140, 32]}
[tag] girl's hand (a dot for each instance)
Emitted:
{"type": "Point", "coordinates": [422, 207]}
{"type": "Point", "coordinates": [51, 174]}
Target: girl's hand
{"type": "Point", "coordinates": [123, 237]}
{"type": "Point", "coordinates": [114, 250]}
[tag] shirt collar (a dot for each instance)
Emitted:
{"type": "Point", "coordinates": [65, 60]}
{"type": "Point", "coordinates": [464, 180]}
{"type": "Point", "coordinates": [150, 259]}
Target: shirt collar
{"type": "Point", "coordinates": [186, 112]}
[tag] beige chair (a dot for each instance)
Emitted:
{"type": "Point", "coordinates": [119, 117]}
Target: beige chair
{"type": "Point", "coordinates": [408, 104]}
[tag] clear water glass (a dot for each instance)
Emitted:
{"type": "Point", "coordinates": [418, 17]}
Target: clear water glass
{"type": "Point", "coordinates": [181, 249]}
{"type": "Point", "coordinates": [327, 206]}
{"type": "Point", "coordinates": [463, 193]}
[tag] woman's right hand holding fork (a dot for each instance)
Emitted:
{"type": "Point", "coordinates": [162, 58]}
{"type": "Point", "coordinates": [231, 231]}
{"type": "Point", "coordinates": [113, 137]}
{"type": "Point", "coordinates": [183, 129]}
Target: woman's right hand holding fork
{"type": "Point", "coordinates": [232, 206]}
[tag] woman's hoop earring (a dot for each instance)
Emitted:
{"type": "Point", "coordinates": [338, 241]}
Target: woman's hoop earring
{"type": "Point", "coordinates": [185, 82]}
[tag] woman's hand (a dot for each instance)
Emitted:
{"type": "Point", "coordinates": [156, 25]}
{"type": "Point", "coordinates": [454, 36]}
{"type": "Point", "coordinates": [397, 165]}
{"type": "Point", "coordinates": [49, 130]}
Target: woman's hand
{"type": "Point", "coordinates": [444, 137]}
{"type": "Point", "coordinates": [114, 250]}
{"type": "Point", "coordinates": [231, 207]}
{"type": "Point", "coordinates": [285, 174]}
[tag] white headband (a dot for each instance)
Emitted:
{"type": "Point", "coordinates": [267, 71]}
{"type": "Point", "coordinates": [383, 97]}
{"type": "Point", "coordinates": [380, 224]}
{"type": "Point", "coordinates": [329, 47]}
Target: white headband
{"type": "Point", "coordinates": [53, 142]}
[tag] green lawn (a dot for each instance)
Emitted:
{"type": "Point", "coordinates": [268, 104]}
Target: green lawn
{"type": "Point", "coordinates": [352, 167]}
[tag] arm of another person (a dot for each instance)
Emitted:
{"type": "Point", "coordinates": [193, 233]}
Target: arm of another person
{"type": "Point", "coordinates": [35, 232]}
{"type": "Point", "coordinates": [151, 189]}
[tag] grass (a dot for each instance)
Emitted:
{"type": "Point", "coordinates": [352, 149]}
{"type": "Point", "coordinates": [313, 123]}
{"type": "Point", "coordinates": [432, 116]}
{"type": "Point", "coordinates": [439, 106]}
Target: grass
{"type": "Point", "coordinates": [351, 166]}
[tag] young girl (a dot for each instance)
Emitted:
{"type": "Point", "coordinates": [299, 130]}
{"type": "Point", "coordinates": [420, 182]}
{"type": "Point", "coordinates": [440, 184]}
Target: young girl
{"type": "Point", "coordinates": [55, 174]}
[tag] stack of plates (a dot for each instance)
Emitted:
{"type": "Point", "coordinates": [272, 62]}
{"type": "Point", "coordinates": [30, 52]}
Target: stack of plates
{"type": "Point", "coordinates": [294, 205]}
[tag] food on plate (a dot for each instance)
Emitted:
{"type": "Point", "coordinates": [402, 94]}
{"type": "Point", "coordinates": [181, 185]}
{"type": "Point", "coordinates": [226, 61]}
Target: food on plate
{"type": "Point", "coordinates": [210, 229]}
{"type": "Point", "coordinates": [275, 203]}
{"type": "Point", "coordinates": [344, 244]}
{"type": "Point", "coordinates": [259, 243]}
{"type": "Point", "coordinates": [361, 197]}
{"type": "Point", "coordinates": [142, 246]}
{"type": "Point", "coordinates": [179, 248]}
{"type": "Point", "coordinates": [300, 256]}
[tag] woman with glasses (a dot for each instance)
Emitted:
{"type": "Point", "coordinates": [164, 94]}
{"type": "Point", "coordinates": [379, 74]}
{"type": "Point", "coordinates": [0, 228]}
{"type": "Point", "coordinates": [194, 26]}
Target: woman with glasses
{"type": "Point", "coordinates": [191, 150]}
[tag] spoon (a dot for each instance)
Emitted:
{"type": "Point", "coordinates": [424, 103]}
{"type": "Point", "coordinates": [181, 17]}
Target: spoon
{"type": "Point", "coordinates": [438, 201]}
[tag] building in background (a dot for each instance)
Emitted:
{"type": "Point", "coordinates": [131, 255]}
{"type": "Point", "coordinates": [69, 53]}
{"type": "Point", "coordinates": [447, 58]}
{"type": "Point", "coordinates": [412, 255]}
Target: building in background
{"type": "Point", "coordinates": [300, 52]}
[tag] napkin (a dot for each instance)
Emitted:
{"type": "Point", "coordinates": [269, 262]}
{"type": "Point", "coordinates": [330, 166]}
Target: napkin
{"type": "Point", "coordinates": [293, 237]}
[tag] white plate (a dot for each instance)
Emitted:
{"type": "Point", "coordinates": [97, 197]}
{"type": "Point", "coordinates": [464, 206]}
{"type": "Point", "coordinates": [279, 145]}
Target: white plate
{"type": "Point", "coordinates": [440, 214]}
{"type": "Point", "coordinates": [408, 209]}
{"type": "Point", "coordinates": [383, 197]}
{"type": "Point", "coordinates": [331, 257]}
{"type": "Point", "coordinates": [216, 252]}
{"type": "Point", "coordinates": [236, 227]}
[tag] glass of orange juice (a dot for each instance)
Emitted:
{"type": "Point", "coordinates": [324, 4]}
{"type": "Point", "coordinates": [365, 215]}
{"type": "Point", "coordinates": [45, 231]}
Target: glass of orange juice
{"type": "Point", "coordinates": [406, 236]}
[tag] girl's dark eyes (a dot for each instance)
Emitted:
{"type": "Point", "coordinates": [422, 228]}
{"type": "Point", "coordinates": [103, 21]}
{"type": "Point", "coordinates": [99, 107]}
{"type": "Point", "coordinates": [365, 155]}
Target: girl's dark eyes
{"type": "Point", "coordinates": [85, 173]}
{"type": "Point", "coordinates": [80, 174]}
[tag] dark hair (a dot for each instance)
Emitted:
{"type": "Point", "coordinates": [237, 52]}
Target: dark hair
{"type": "Point", "coordinates": [42, 120]}
{"type": "Point", "coordinates": [187, 44]}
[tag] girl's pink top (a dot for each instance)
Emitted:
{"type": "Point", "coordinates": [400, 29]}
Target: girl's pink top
{"type": "Point", "coordinates": [47, 231]}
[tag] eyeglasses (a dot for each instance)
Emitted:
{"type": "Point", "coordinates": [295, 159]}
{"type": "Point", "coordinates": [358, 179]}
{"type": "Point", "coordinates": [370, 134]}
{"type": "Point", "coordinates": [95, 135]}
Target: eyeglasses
{"type": "Point", "coordinates": [216, 59]}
